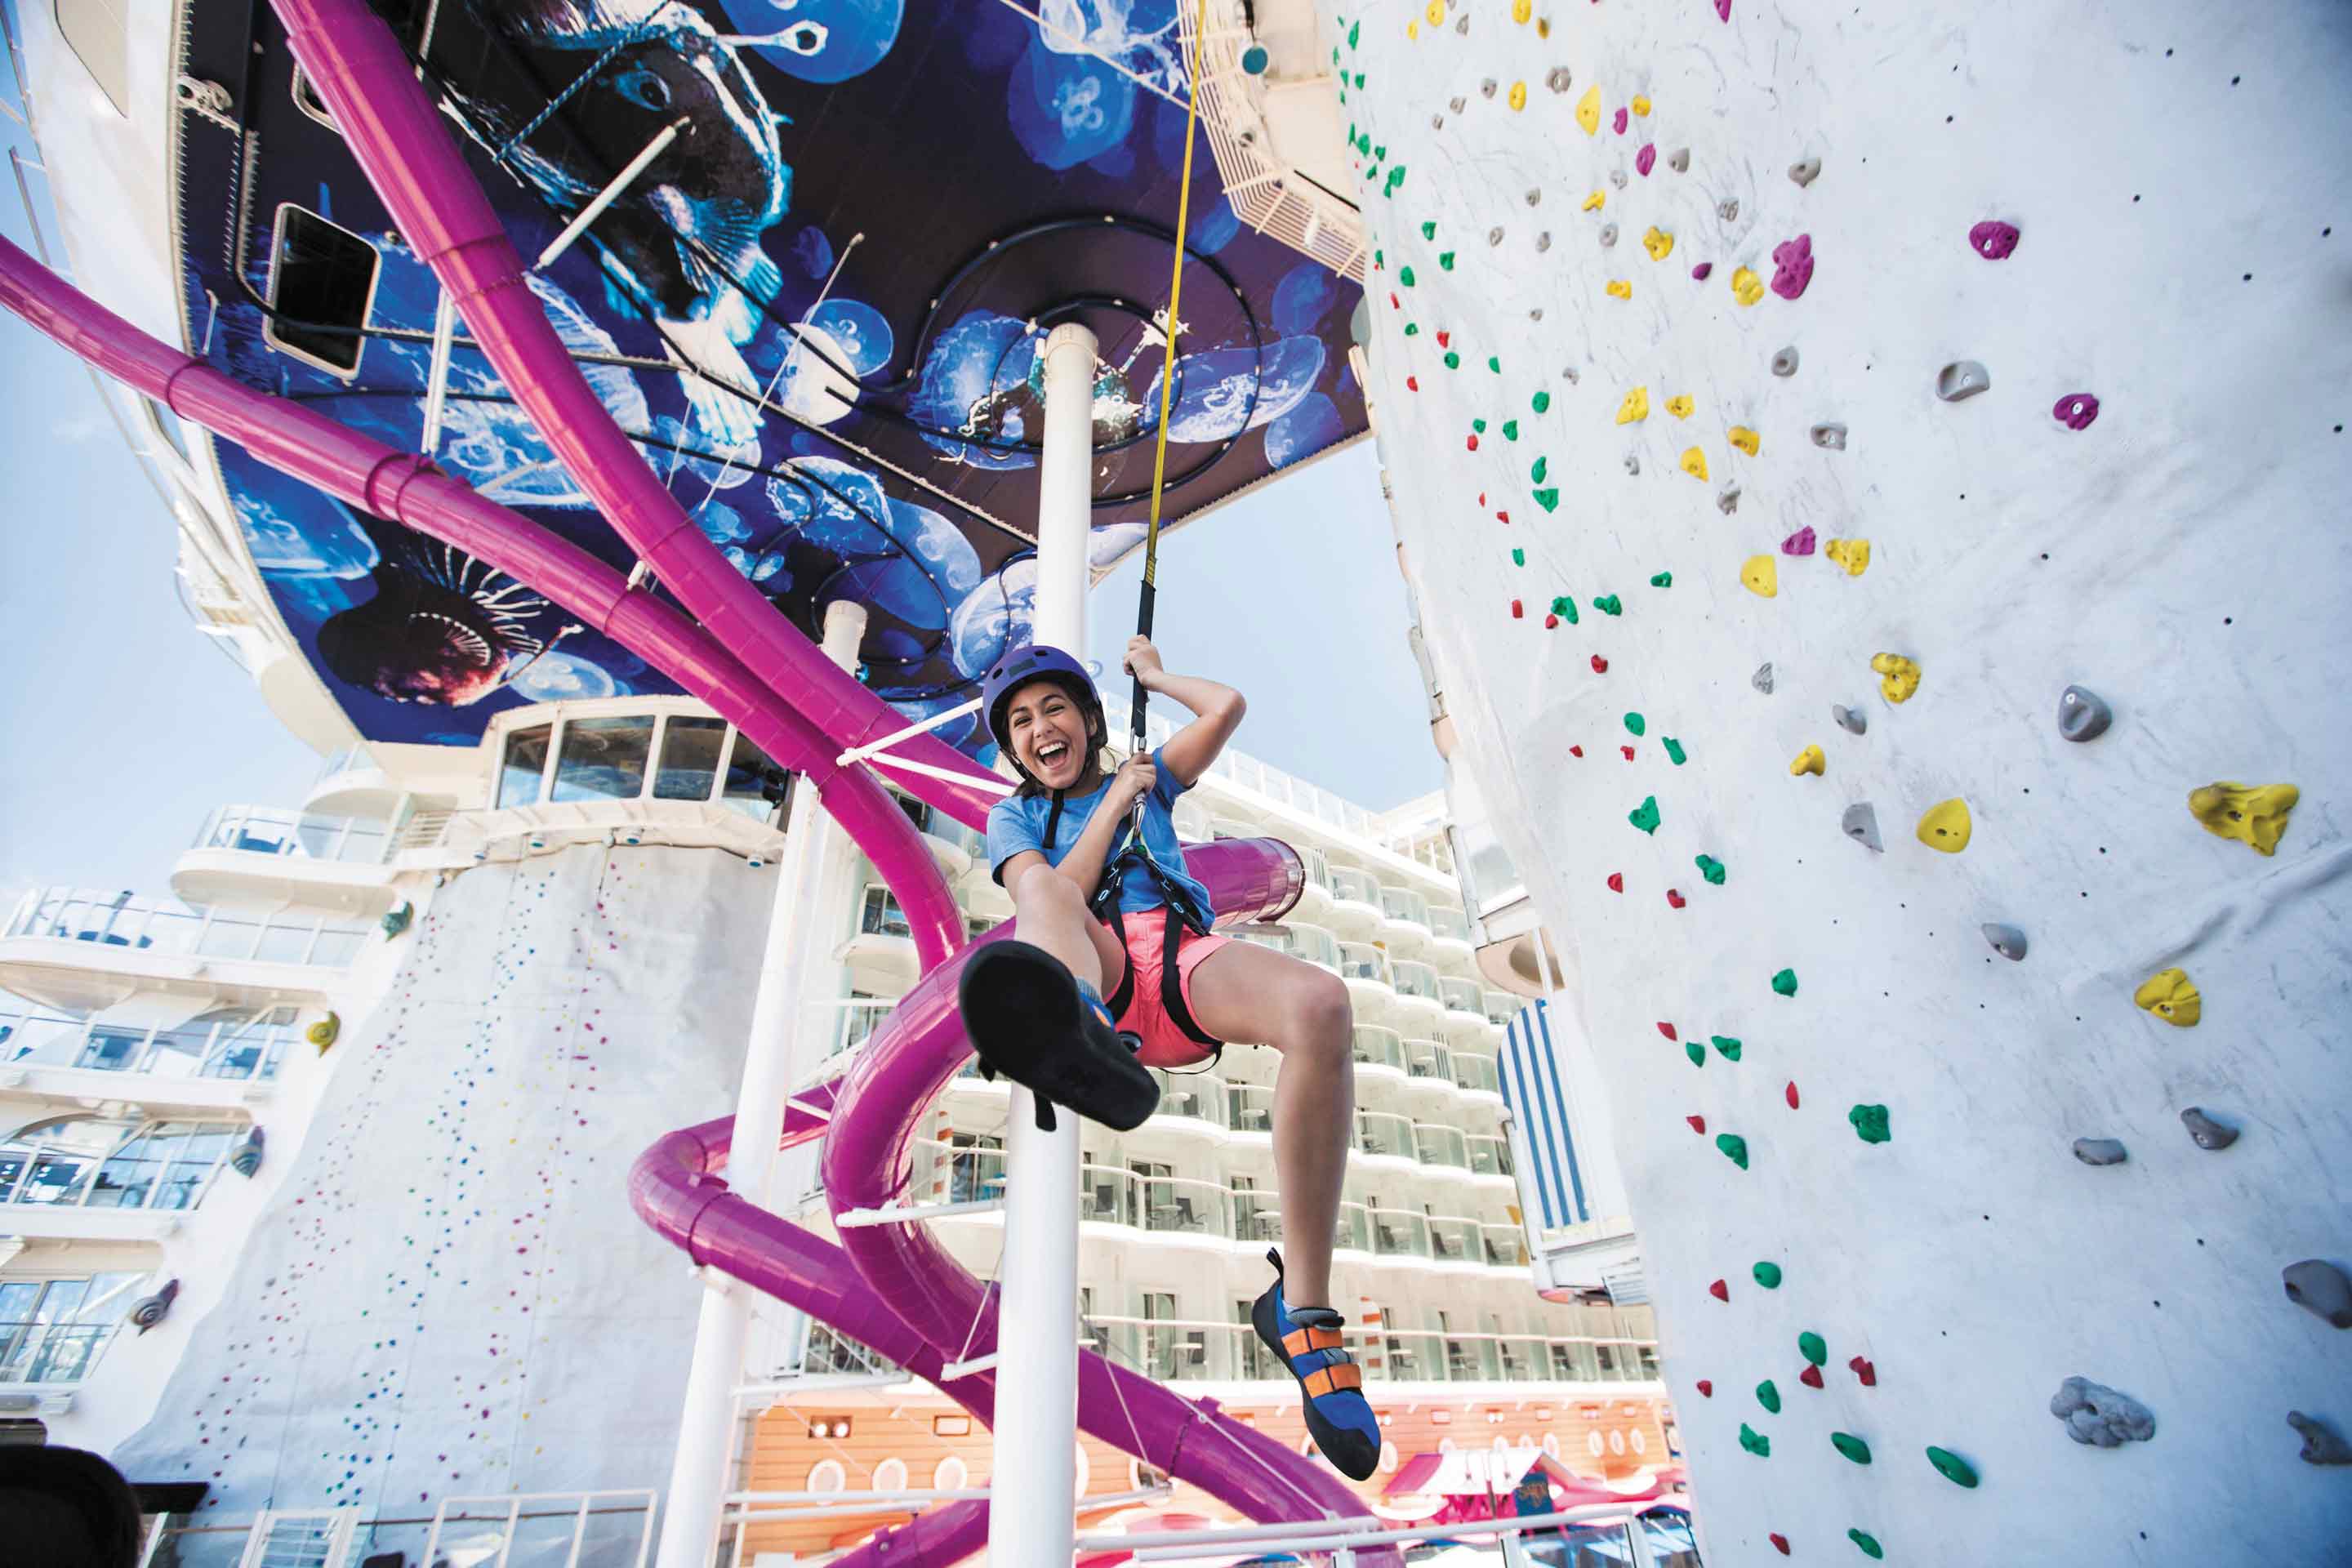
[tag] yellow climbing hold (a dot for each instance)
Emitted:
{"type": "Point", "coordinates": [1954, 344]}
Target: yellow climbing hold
{"type": "Point", "coordinates": [1810, 760]}
{"type": "Point", "coordinates": [1519, 95]}
{"type": "Point", "coordinates": [1412, 29]}
{"type": "Point", "coordinates": [1636, 407]}
{"type": "Point", "coordinates": [1695, 463]}
{"type": "Point", "coordinates": [1946, 827]}
{"type": "Point", "coordinates": [2254, 817]}
{"type": "Point", "coordinates": [1436, 13]}
{"type": "Point", "coordinates": [2168, 995]}
{"type": "Point", "coordinates": [1641, 107]}
{"type": "Point", "coordinates": [1620, 290]}
{"type": "Point", "coordinates": [1898, 677]}
{"type": "Point", "coordinates": [1745, 439]}
{"type": "Point", "coordinates": [1853, 555]}
{"type": "Point", "coordinates": [1659, 244]}
{"type": "Point", "coordinates": [1745, 287]}
{"type": "Point", "coordinates": [1588, 111]}
{"type": "Point", "coordinates": [1592, 202]}
{"type": "Point", "coordinates": [1680, 405]}
{"type": "Point", "coordinates": [1522, 9]}
{"type": "Point", "coordinates": [1543, 26]}
{"type": "Point", "coordinates": [1760, 574]}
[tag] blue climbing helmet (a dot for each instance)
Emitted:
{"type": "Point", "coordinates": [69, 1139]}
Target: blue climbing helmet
{"type": "Point", "coordinates": [1036, 661]}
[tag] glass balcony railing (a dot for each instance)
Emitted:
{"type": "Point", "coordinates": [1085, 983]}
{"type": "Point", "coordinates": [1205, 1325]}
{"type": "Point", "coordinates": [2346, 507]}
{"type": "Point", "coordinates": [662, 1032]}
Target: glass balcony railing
{"type": "Point", "coordinates": [1166, 1205]}
{"type": "Point", "coordinates": [167, 927]}
{"type": "Point", "coordinates": [1504, 1246]}
{"type": "Point", "coordinates": [1312, 944]}
{"type": "Point", "coordinates": [1488, 1156]}
{"type": "Point", "coordinates": [1354, 887]}
{"type": "Point", "coordinates": [1197, 1097]}
{"type": "Point", "coordinates": [1461, 996]}
{"type": "Point", "coordinates": [1381, 1133]}
{"type": "Point", "coordinates": [1256, 1216]}
{"type": "Point", "coordinates": [1503, 1008]}
{"type": "Point", "coordinates": [264, 830]}
{"type": "Point", "coordinates": [1476, 1074]}
{"type": "Point", "coordinates": [1249, 1108]}
{"type": "Point", "coordinates": [880, 915]}
{"type": "Point", "coordinates": [1352, 1231]}
{"type": "Point", "coordinates": [230, 1043]}
{"type": "Point", "coordinates": [1429, 1060]}
{"type": "Point", "coordinates": [1441, 1146]}
{"type": "Point", "coordinates": [1412, 979]}
{"type": "Point", "coordinates": [1452, 925]}
{"type": "Point", "coordinates": [1362, 961]}
{"type": "Point", "coordinates": [1227, 827]}
{"type": "Point", "coordinates": [1399, 1233]}
{"type": "Point", "coordinates": [161, 1166]}
{"type": "Point", "coordinates": [1456, 1240]}
{"type": "Point", "coordinates": [858, 1018]}
{"type": "Point", "coordinates": [1318, 867]}
{"type": "Point", "coordinates": [1403, 904]}
{"type": "Point", "coordinates": [1379, 1047]}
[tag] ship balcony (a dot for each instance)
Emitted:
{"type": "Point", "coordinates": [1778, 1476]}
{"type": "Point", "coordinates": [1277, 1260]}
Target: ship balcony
{"type": "Point", "coordinates": [84, 1179]}
{"type": "Point", "coordinates": [1378, 1052]}
{"type": "Point", "coordinates": [1449, 936]}
{"type": "Point", "coordinates": [1443, 1149]}
{"type": "Point", "coordinates": [1479, 1077]}
{"type": "Point", "coordinates": [1504, 1248]}
{"type": "Point", "coordinates": [1465, 1004]}
{"type": "Point", "coordinates": [1405, 922]}
{"type": "Point", "coordinates": [1207, 1350]}
{"type": "Point", "coordinates": [1417, 1006]}
{"type": "Point", "coordinates": [1490, 1158]}
{"type": "Point", "coordinates": [1456, 1242]}
{"type": "Point", "coordinates": [1382, 1135]}
{"type": "Point", "coordinates": [1180, 1210]}
{"type": "Point", "coordinates": [251, 855]}
{"type": "Point", "coordinates": [882, 948]}
{"type": "Point", "coordinates": [350, 784]}
{"type": "Point", "coordinates": [1310, 944]}
{"type": "Point", "coordinates": [1314, 904]}
{"type": "Point", "coordinates": [1355, 904]}
{"type": "Point", "coordinates": [1192, 1105]}
{"type": "Point", "coordinates": [1372, 991]}
{"type": "Point", "coordinates": [1429, 1072]}
{"type": "Point", "coordinates": [218, 1060]}
{"type": "Point", "coordinates": [955, 849]}
{"type": "Point", "coordinates": [1503, 1009]}
{"type": "Point", "coordinates": [71, 949]}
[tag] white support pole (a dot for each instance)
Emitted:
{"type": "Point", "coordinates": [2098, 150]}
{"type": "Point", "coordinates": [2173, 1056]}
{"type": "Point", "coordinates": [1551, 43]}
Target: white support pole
{"type": "Point", "coordinates": [773, 1057]}
{"type": "Point", "coordinates": [1032, 1522]}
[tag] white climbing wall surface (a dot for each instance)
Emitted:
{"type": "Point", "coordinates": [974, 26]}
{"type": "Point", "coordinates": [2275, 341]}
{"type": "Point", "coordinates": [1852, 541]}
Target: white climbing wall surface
{"type": "Point", "coordinates": [1939, 358]}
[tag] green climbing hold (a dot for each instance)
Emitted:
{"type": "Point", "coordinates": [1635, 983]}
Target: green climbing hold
{"type": "Point", "coordinates": [1479, 426]}
{"type": "Point", "coordinates": [1429, 231]}
{"type": "Point", "coordinates": [1380, 260]}
{"type": "Point", "coordinates": [1412, 330]}
{"type": "Point", "coordinates": [1452, 360]}
{"type": "Point", "coordinates": [1767, 1275]}
{"type": "Point", "coordinates": [1728, 1045]}
{"type": "Point", "coordinates": [1635, 723]}
{"type": "Point", "coordinates": [1675, 752]}
{"type": "Point", "coordinates": [1869, 1544]}
{"type": "Point", "coordinates": [1510, 429]}
{"type": "Point", "coordinates": [1662, 580]}
{"type": "Point", "coordinates": [1404, 276]}
{"type": "Point", "coordinates": [1609, 605]}
{"type": "Point", "coordinates": [1646, 816]}
{"type": "Point", "coordinates": [1697, 1052]}
{"type": "Point", "coordinates": [1711, 869]}
{"type": "Point", "coordinates": [1446, 261]}
{"type": "Point", "coordinates": [1518, 557]}
{"type": "Point", "coordinates": [1536, 474]}
{"type": "Point", "coordinates": [1565, 608]}
{"type": "Point", "coordinates": [1734, 1147]}
{"type": "Point", "coordinates": [1812, 1346]}
{"type": "Point", "coordinates": [1952, 1468]}
{"type": "Point", "coordinates": [1754, 1442]}
{"type": "Point", "coordinates": [1353, 28]}
{"type": "Point", "coordinates": [1495, 363]}
{"type": "Point", "coordinates": [1768, 1396]}
{"type": "Point", "coordinates": [1396, 178]}
{"type": "Point", "coordinates": [1360, 78]}
{"type": "Point", "coordinates": [1550, 501]}
{"type": "Point", "coordinates": [1541, 401]}
{"type": "Point", "coordinates": [1851, 1446]}
{"type": "Point", "coordinates": [1870, 1123]}
{"type": "Point", "coordinates": [1785, 982]}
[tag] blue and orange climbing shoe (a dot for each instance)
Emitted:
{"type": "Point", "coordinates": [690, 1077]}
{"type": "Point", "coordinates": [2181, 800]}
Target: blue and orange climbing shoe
{"type": "Point", "coordinates": [1034, 1021]}
{"type": "Point", "coordinates": [1309, 1342]}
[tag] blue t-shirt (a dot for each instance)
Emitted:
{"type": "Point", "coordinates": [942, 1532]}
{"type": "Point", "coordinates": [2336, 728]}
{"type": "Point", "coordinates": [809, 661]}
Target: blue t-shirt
{"type": "Point", "coordinates": [1018, 823]}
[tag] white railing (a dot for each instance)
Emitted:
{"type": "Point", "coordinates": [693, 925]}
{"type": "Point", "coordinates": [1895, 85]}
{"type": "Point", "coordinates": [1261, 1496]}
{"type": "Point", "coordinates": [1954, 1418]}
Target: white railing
{"type": "Point", "coordinates": [162, 1165]}
{"type": "Point", "coordinates": [251, 1047]}
{"type": "Point", "coordinates": [51, 1353]}
{"type": "Point", "coordinates": [1377, 1047]}
{"type": "Point", "coordinates": [1414, 979]}
{"type": "Point", "coordinates": [172, 929]}
{"type": "Point", "coordinates": [353, 758]}
{"type": "Point", "coordinates": [1362, 961]}
{"type": "Point", "coordinates": [1450, 925]}
{"type": "Point", "coordinates": [265, 830]}
{"type": "Point", "coordinates": [607, 1529]}
{"type": "Point", "coordinates": [1403, 904]}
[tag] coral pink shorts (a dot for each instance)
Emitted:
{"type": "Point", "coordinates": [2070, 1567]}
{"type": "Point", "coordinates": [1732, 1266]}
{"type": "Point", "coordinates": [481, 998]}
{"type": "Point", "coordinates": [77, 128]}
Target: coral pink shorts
{"type": "Point", "coordinates": [1165, 1043]}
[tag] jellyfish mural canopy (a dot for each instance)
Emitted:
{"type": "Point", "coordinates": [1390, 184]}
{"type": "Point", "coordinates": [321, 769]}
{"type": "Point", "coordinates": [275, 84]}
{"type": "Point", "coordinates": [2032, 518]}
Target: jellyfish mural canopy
{"type": "Point", "coordinates": [818, 311]}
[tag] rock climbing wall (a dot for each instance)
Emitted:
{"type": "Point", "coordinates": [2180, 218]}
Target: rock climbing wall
{"type": "Point", "coordinates": [450, 1294]}
{"type": "Point", "coordinates": [1785, 407]}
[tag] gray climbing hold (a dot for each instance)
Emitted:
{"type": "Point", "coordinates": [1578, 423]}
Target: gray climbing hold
{"type": "Point", "coordinates": [2319, 1287]}
{"type": "Point", "coordinates": [1805, 171]}
{"type": "Point", "coordinates": [1728, 501]}
{"type": "Point", "coordinates": [2083, 715]}
{"type": "Point", "coordinates": [1495, 234]}
{"type": "Point", "coordinates": [1784, 364]}
{"type": "Point", "coordinates": [2100, 1417]}
{"type": "Point", "coordinates": [2100, 1150]}
{"type": "Point", "coordinates": [1457, 104]}
{"type": "Point", "coordinates": [1853, 720]}
{"type": "Point", "coordinates": [1829, 437]}
{"type": "Point", "coordinates": [1487, 87]}
{"type": "Point", "coordinates": [1536, 314]}
{"type": "Point", "coordinates": [1535, 194]}
{"type": "Point", "coordinates": [2007, 941]}
{"type": "Point", "coordinates": [1461, 24]}
{"type": "Point", "coordinates": [1569, 375]}
{"type": "Point", "coordinates": [1558, 78]}
{"type": "Point", "coordinates": [1617, 178]}
{"type": "Point", "coordinates": [1437, 123]}
{"type": "Point", "coordinates": [1679, 160]}
{"type": "Point", "coordinates": [2207, 1132]}
{"type": "Point", "coordinates": [1861, 824]}
{"type": "Point", "coordinates": [1728, 211]}
{"type": "Point", "coordinates": [1762, 679]}
{"type": "Point", "coordinates": [1607, 235]}
{"type": "Point", "coordinates": [1543, 242]}
{"type": "Point", "coordinates": [2321, 1445]}
{"type": "Point", "coordinates": [1962, 379]}
{"type": "Point", "coordinates": [1632, 462]}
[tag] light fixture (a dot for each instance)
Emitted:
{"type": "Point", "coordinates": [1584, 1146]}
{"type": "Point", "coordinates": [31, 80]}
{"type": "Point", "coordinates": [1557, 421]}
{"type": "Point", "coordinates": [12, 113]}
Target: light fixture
{"type": "Point", "coordinates": [950, 1426]}
{"type": "Point", "coordinates": [833, 1426]}
{"type": "Point", "coordinates": [1440, 1418]}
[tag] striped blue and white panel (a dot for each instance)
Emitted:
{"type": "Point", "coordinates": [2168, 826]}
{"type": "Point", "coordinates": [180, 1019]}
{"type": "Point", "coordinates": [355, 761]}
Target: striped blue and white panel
{"type": "Point", "coordinates": [1550, 1186]}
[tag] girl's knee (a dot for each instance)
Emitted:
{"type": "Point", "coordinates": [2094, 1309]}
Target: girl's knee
{"type": "Point", "coordinates": [1325, 1014]}
{"type": "Point", "coordinates": [1040, 887]}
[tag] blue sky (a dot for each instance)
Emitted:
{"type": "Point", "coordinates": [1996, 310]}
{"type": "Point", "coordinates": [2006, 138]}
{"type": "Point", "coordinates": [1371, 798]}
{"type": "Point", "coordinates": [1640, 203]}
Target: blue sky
{"type": "Point", "coordinates": [129, 725]}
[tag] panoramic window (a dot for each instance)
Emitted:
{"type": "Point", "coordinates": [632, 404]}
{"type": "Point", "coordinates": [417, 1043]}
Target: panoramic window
{"type": "Point", "coordinates": [755, 786]}
{"type": "Point", "coordinates": [525, 764]}
{"type": "Point", "coordinates": [100, 39]}
{"type": "Point", "coordinates": [603, 758]}
{"type": "Point", "coordinates": [322, 282]}
{"type": "Point", "coordinates": [689, 758]}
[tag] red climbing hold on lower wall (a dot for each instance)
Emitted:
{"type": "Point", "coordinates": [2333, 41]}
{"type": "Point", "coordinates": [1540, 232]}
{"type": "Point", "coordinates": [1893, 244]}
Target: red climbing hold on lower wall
{"type": "Point", "coordinates": [1616, 882]}
{"type": "Point", "coordinates": [1673, 898]}
{"type": "Point", "coordinates": [1810, 1377]}
{"type": "Point", "coordinates": [1698, 1124]}
{"type": "Point", "coordinates": [1864, 1371]}
{"type": "Point", "coordinates": [1790, 1094]}
{"type": "Point", "coordinates": [1600, 664]}
{"type": "Point", "coordinates": [1667, 1029]}
{"type": "Point", "coordinates": [1779, 1543]}
{"type": "Point", "coordinates": [1720, 1291]}
{"type": "Point", "coordinates": [1705, 1386]}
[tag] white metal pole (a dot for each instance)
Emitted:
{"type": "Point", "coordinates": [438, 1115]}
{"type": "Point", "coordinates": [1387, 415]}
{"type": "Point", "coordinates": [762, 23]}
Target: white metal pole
{"type": "Point", "coordinates": [1032, 1519]}
{"type": "Point", "coordinates": [707, 1431]}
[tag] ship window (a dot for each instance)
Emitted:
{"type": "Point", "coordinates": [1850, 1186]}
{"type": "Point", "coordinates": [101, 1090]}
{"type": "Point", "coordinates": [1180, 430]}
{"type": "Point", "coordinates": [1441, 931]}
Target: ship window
{"type": "Point", "coordinates": [755, 786]}
{"type": "Point", "coordinates": [321, 283]}
{"type": "Point", "coordinates": [526, 762]}
{"type": "Point", "coordinates": [307, 100]}
{"type": "Point", "coordinates": [603, 758]}
{"type": "Point", "coordinates": [689, 758]}
{"type": "Point", "coordinates": [100, 39]}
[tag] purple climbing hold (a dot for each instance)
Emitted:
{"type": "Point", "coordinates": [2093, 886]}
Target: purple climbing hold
{"type": "Point", "coordinates": [1646, 159]}
{"type": "Point", "coordinates": [1723, 10]}
{"type": "Point", "coordinates": [1702, 270]}
{"type": "Point", "coordinates": [1621, 122]}
{"type": "Point", "coordinates": [1799, 543]}
{"type": "Point", "coordinates": [2075, 410]}
{"type": "Point", "coordinates": [1993, 239]}
{"type": "Point", "coordinates": [1792, 265]}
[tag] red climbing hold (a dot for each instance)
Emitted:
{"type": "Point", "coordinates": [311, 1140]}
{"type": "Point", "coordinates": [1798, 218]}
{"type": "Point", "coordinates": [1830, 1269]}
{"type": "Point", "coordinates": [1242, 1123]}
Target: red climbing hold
{"type": "Point", "coordinates": [1673, 898]}
{"type": "Point", "coordinates": [1616, 882]}
{"type": "Point", "coordinates": [1705, 1386]}
{"type": "Point", "coordinates": [1395, 304]}
{"type": "Point", "coordinates": [1780, 1541]}
{"type": "Point", "coordinates": [1790, 1094]}
{"type": "Point", "coordinates": [1667, 1029]}
{"type": "Point", "coordinates": [1474, 442]}
{"type": "Point", "coordinates": [1600, 664]}
{"type": "Point", "coordinates": [1413, 384]}
{"type": "Point", "coordinates": [1502, 516]}
{"type": "Point", "coordinates": [1576, 751]}
{"type": "Point", "coordinates": [1720, 1291]}
{"type": "Point", "coordinates": [1698, 1124]}
{"type": "Point", "coordinates": [1445, 340]}
{"type": "Point", "coordinates": [1864, 1371]}
{"type": "Point", "coordinates": [1518, 611]}
{"type": "Point", "coordinates": [1482, 498]}
{"type": "Point", "coordinates": [1811, 1376]}
{"type": "Point", "coordinates": [1628, 751]}
{"type": "Point", "coordinates": [1550, 621]}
